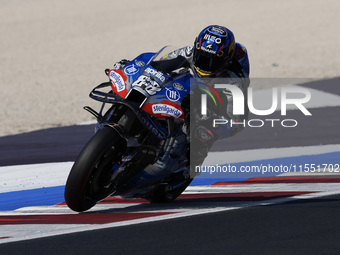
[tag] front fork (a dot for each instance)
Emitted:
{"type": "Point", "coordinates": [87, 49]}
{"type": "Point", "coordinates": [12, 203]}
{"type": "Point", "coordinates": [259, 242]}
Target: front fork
{"type": "Point", "coordinates": [144, 150]}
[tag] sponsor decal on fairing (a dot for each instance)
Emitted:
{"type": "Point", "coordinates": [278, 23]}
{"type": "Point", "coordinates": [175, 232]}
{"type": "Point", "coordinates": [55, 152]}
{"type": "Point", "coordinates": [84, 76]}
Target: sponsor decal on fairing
{"type": "Point", "coordinates": [117, 80]}
{"type": "Point", "coordinates": [156, 73]}
{"type": "Point", "coordinates": [131, 69]}
{"type": "Point", "coordinates": [179, 86]}
{"type": "Point", "coordinates": [166, 109]}
{"type": "Point", "coordinates": [140, 63]}
{"type": "Point", "coordinates": [172, 94]}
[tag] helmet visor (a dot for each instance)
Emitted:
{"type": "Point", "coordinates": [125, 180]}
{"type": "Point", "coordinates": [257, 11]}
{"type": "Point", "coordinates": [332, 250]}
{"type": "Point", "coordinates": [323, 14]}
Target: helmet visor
{"type": "Point", "coordinates": [206, 63]}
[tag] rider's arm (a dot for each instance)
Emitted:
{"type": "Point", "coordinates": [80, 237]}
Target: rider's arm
{"type": "Point", "coordinates": [232, 123]}
{"type": "Point", "coordinates": [185, 52]}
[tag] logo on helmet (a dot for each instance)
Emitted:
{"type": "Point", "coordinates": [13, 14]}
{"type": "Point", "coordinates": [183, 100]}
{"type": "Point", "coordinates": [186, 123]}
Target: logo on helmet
{"type": "Point", "coordinates": [212, 39]}
{"type": "Point", "coordinates": [218, 30]}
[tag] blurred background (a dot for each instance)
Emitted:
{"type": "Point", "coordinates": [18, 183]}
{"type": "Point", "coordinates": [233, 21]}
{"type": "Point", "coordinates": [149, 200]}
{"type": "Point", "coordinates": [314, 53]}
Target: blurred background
{"type": "Point", "coordinates": [52, 53]}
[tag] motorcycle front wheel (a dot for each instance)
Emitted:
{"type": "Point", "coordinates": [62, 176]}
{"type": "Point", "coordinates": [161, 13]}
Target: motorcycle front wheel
{"type": "Point", "coordinates": [89, 178]}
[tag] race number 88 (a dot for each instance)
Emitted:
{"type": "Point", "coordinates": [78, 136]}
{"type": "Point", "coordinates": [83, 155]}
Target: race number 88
{"type": "Point", "coordinates": [150, 86]}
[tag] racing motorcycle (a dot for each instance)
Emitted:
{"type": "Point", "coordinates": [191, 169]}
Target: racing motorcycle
{"type": "Point", "coordinates": [141, 145]}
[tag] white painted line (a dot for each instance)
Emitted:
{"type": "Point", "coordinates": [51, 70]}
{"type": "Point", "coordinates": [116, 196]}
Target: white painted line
{"type": "Point", "coordinates": [322, 172]}
{"type": "Point", "coordinates": [54, 174]}
{"type": "Point", "coordinates": [275, 187]}
{"type": "Point", "coordinates": [85, 123]}
{"type": "Point", "coordinates": [24, 177]}
{"type": "Point", "coordinates": [228, 157]}
{"type": "Point", "coordinates": [28, 232]}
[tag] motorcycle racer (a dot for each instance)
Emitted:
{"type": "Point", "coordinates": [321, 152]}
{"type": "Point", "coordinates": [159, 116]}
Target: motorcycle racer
{"type": "Point", "coordinates": [161, 121]}
{"type": "Point", "coordinates": [216, 59]}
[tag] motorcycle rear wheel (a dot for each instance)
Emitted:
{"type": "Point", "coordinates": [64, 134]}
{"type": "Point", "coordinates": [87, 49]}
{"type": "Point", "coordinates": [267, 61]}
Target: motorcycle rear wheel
{"type": "Point", "coordinates": [88, 181]}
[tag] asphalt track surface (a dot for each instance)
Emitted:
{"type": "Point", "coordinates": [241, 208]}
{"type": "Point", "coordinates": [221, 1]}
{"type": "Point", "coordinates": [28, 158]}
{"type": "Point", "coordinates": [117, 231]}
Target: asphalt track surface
{"type": "Point", "coordinates": [297, 227]}
{"type": "Point", "coordinates": [308, 226]}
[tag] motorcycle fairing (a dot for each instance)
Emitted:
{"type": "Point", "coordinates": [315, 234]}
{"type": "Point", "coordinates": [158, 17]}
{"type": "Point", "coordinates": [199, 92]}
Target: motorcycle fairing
{"type": "Point", "coordinates": [163, 94]}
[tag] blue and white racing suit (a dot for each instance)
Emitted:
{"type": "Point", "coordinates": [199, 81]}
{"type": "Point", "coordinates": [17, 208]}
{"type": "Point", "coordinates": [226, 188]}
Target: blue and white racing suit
{"type": "Point", "coordinates": [237, 74]}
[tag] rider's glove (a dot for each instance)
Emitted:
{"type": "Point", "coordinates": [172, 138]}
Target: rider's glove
{"type": "Point", "coordinates": [120, 64]}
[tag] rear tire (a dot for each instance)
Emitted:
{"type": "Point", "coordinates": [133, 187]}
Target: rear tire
{"type": "Point", "coordinates": [87, 182]}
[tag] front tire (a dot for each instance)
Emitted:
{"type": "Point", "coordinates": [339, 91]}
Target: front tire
{"type": "Point", "coordinates": [88, 181]}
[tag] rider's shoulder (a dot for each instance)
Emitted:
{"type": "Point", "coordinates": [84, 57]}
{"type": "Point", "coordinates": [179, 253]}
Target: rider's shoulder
{"type": "Point", "coordinates": [241, 57]}
{"type": "Point", "coordinates": [240, 51]}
